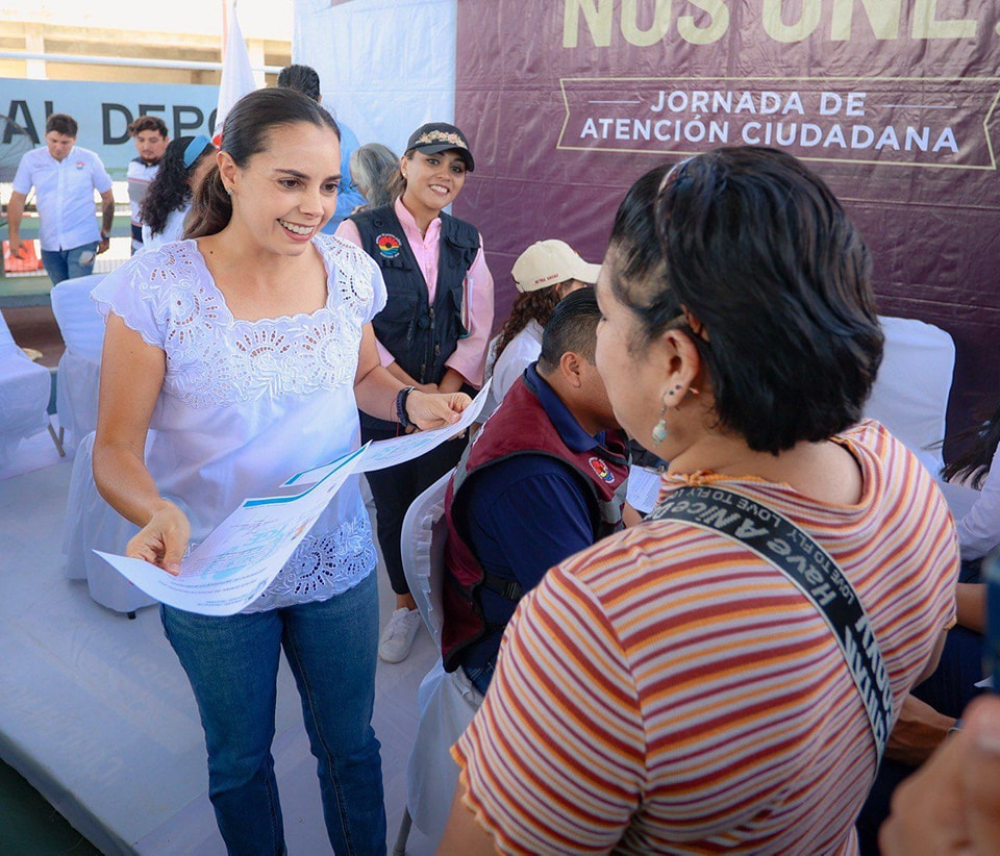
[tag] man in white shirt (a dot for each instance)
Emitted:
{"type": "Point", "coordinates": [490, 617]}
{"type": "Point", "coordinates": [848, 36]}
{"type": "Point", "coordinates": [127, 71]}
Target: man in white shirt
{"type": "Point", "coordinates": [151, 138]}
{"type": "Point", "coordinates": [65, 178]}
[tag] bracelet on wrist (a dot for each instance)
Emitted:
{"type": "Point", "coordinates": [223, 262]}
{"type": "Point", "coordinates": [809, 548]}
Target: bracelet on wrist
{"type": "Point", "coordinates": [401, 415]}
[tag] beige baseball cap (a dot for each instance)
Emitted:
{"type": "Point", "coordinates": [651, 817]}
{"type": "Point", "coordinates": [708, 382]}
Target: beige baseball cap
{"type": "Point", "coordinates": [547, 263]}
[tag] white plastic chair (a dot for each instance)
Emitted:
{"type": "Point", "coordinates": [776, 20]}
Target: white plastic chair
{"type": "Point", "coordinates": [25, 388]}
{"type": "Point", "coordinates": [447, 701]}
{"type": "Point", "coordinates": [92, 524]}
{"type": "Point", "coordinates": [910, 394]}
{"type": "Point", "coordinates": [79, 372]}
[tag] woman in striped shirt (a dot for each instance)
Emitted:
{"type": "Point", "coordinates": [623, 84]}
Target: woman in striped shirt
{"type": "Point", "coordinates": [670, 690]}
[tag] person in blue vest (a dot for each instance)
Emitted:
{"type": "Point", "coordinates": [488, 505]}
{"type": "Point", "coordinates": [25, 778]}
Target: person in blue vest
{"type": "Point", "coordinates": [545, 478]}
{"type": "Point", "coordinates": [432, 334]}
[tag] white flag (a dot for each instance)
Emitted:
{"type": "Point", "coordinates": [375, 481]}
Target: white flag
{"type": "Point", "coordinates": [237, 78]}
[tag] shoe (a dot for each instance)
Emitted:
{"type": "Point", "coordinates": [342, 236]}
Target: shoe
{"type": "Point", "coordinates": [397, 638]}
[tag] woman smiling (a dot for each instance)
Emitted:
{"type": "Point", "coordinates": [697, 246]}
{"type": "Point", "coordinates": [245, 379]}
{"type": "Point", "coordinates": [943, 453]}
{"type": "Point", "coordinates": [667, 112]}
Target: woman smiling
{"type": "Point", "coordinates": [432, 334]}
{"type": "Point", "coordinates": [249, 350]}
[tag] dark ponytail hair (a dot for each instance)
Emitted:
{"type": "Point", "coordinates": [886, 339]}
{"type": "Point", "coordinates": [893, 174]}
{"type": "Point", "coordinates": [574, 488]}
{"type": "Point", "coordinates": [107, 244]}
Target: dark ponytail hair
{"type": "Point", "coordinates": [170, 189]}
{"type": "Point", "coordinates": [245, 134]}
{"type": "Point", "coordinates": [973, 464]}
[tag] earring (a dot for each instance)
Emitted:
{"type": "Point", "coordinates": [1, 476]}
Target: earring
{"type": "Point", "coordinates": [660, 428]}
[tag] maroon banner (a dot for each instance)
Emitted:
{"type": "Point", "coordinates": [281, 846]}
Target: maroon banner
{"type": "Point", "coordinates": [894, 104]}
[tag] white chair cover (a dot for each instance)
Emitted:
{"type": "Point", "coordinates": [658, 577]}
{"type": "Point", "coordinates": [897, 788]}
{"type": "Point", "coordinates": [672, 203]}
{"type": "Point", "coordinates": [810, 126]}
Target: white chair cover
{"type": "Point", "coordinates": [910, 394]}
{"type": "Point", "coordinates": [447, 701]}
{"type": "Point", "coordinates": [25, 388]}
{"type": "Point", "coordinates": [79, 373]}
{"type": "Point", "coordinates": [92, 524]}
{"type": "Point", "coordinates": [422, 551]}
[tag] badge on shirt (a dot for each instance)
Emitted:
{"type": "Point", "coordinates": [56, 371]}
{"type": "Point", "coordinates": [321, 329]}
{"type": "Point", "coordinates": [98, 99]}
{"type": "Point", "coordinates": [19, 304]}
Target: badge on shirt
{"type": "Point", "coordinates": [79, 164]}
{"type": "Point", "coordinates": [601, 468]}
{"type": "Point", "coordinates": [388, 245]}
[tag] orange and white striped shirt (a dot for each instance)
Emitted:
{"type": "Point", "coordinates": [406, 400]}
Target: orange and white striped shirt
{"type": "Point", "coordinates": [669, 691]}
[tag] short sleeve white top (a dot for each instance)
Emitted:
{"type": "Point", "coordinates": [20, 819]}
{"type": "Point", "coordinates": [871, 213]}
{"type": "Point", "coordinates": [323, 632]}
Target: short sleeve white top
{"type": "Point", "coordinates": [979, 528]}
{"type": "Point", "coordinates": [172, 230]}
{"type": "Point", "coordinates": [64, 195]}
{"type": "Point", "coordinates": [521, 351]}
{"type": "Point", "coordinates": [246, 404]}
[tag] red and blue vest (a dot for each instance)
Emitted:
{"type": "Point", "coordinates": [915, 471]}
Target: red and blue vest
{"type": "Point", "coordinates": [520, 426]}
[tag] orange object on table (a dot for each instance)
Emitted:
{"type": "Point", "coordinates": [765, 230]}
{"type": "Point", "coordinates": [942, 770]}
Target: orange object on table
{"type": "Point", "coordinates": [26, 262]}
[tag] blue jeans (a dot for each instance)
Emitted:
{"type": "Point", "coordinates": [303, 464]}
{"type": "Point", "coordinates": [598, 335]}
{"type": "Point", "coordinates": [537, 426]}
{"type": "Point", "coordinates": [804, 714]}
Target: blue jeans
{"type": "Point", "coordinates": [66, 264]}
{"type": "Point", "coordinates": [232, 664]}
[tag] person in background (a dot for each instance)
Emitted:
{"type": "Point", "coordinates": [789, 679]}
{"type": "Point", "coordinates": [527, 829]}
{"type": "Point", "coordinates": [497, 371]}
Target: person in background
{"type": "Point", "coordinates": [249, 350]}
{"type": "Point", "coordinates": [151, 139]}
{"type": "Point", "coordinates": [979, 528]}
{"type": "Point", "coordinates": [952, 805]}
{"type": "Point", "coordinates": [64, 177]}
{"type": "Point", "coordinates": [548, 470]}
{"type": "Point", "coordinates": [168, 200]}
{"type": "Point", "coordinates": [374, 168]}
{"type": "Point", "coordinates": [933, 708]}
{"type": "Point", "coordinates": [305, 79]}
{"type": "Point", "coordinates": [544, 274]}
{"type": "Point", "coordinates": [433, 332]}
{"type": "Point", "coordinates": [670, 688]}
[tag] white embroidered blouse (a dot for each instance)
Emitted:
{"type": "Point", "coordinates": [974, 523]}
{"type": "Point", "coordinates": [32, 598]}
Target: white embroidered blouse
{"type": "Point", "coordinates": [246, 404]}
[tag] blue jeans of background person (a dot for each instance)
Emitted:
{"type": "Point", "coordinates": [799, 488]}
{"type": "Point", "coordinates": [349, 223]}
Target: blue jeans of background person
{"type": "Point", "coordinates": [232, 663]}
{"type": "Point", "coordinates": [66, 264]}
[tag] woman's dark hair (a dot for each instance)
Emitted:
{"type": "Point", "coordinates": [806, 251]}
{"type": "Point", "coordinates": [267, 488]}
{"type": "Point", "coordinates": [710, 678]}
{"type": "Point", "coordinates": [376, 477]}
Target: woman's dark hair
{"type": "Point", "coordinates": [374, 168]}
{"type": "Point", "coordinates": [973, 464]}
{"type": "Point", "coordinates": [760, 256]}
{"type": "Point", "coordinates": [170, 189]}
{"type": "Point", "coordinates": [245, 134]}
{"type": "Point", "coordinates": [530, 306]}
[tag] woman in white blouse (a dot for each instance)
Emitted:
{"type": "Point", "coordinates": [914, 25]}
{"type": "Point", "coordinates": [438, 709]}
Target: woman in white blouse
{"type": "Point", "coordinates": [249, 349]}
{"type": "Point", "coordinates": [168, 199]}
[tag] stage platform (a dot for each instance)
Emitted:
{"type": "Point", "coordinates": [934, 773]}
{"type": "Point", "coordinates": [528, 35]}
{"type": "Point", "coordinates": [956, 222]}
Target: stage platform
{"type": "Point", "coordinates": [96, 713]}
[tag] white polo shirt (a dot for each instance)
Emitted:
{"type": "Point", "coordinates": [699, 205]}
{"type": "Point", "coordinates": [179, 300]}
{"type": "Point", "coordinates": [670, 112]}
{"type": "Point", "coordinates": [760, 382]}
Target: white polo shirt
{"type": "Point", "coordinates": [139, 175]}
{"type": "Point", "coordinates": [64, 195]}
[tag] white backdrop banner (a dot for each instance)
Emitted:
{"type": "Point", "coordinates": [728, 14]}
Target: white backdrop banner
{"type": "Point", "coordinates": [385, 66]}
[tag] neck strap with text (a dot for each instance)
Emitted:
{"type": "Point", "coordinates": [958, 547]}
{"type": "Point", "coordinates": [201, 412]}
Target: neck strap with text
{"type": "Point", "coordinates": [785, 546]}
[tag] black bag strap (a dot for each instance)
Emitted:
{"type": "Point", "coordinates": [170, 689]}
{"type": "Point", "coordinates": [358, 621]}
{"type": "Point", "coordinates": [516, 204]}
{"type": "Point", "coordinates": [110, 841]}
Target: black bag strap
{"type": "Point", "coordinates": [790, 550]}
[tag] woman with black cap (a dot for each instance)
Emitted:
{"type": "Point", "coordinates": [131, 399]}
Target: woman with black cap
{"type": "Point", "coordinates": [432, 334]}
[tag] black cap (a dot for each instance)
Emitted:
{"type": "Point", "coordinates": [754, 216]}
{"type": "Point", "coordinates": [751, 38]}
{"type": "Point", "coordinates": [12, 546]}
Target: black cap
{"type": "Point", "coordinates": [437, 137]}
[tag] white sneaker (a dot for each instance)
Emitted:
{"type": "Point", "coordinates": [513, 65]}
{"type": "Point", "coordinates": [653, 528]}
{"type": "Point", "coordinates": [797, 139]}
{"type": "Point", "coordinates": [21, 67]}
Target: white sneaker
{"type": "Point", "coordinates": [397, 638]}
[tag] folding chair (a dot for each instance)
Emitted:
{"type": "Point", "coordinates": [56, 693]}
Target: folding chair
{"type": "Point", "coordinates": [447, 701]}
{"type": "Point", "coordinates": [25, 388]}
{"type": "Point", "coordinates": [910, 394]}
{"type": "Point", "coordinates": [79, 372]}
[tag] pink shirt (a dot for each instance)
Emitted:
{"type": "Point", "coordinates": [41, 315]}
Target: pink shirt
{"type": "Point", "coordinates": [469, 358]}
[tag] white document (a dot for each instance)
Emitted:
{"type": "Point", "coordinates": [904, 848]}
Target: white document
{"type": "Point", "coordinates": [643, 488]}
{"type": "Point", "coordinates": [239, 558]}
{"type": "Point", "coordinates": [397, 450]}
